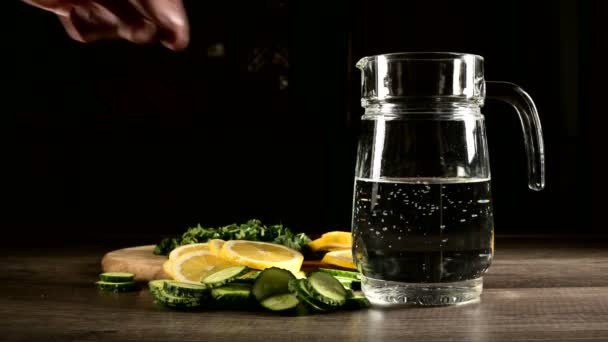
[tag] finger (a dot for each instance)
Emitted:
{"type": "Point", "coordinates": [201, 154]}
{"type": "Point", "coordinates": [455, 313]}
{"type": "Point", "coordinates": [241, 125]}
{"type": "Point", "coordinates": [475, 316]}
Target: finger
{"type": "Point", "coordinates": [140, 33]}
{"type": "Point", "coordinates": [93, 21]}
{"type": "Point", "coordinates": [81, 19]}
{"type": "Point", "coordinates": [133, 26]}
{"type": "Point", "coordinates": [88, 22]}
{"type": "Point", "coordinates": [59, 7]}
{"type": "Point", "coordinates": [171, 18]}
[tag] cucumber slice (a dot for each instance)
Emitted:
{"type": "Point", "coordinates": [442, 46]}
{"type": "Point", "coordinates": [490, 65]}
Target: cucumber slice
{"type": "Point", "coordinates": [156, 285]}
{"type": "Point", "coordinates": [247, 278]}
{"type": "Point", "coordinates": [303, 309]}
{"type": "Point", "coordinates": [282, 302]}
{"type": "Point", "coordinates": [350, 280]}
{"type": "Point", "coordinates": [116, 277]}
{"type": "Point", "coordinates": [356, 302]}
{"type": "Point", "coordinates": [349, 284]}
{"type": "Point", "coordinates": [272, 281]}
{"type": "Point", "coordinates": [303, 287]}
{"type": "Point", "coordinates": [224, 276]}
{"type": "Point", "coordinates": [353, 276]}
{"type": "Point", "coordinates": [346, 283]}
{"type": "Point", "coordinates": [163, 298]}
{"type": "Point", "coordinates": [232, 293]}
{"type": "Point", "coordinates": [349, 293]}
{"type": "Point", "coordinates": [292, 286]}
{"type": "Point", "coordinates": [185, 290]}
{"type": "Point", "coordinates": [241, 281]}
{"type": "Point", "coordinates": [252, 274]}
{"type": "Point", "coordinates": [117, 287]}
{"type": "Point", "coordinates": [326, 289]}
{"type": "Point", "coordinates": [298, 288]}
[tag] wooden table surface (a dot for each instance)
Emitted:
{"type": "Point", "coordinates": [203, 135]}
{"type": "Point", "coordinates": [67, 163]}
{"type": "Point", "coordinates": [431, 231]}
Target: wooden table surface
{"type": "Point", "coordinates": [538, 289]}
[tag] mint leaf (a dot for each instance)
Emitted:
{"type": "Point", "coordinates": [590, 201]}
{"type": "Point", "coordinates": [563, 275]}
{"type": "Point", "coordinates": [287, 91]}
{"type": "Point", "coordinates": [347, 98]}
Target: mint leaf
{"type": "Point", "coordinates": [252, 230]}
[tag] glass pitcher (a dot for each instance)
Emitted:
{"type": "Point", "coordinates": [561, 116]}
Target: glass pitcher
{"type": "Point", "coordinates": [423, 230]}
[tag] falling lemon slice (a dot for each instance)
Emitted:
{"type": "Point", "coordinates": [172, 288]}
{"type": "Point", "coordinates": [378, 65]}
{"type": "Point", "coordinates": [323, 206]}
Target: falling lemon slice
{"type": "Point", "coordinates": [181, 250]}
{"type": "Point", "coordinates": [332, 241]}
{"type": "Point", "coordinates": [342, 258]}
{"type": "Point", "coordinates": [215, 246]}
{"type": "Point", "coordinates": [261, 255]}
{"type": "Point", "coordinates": [192, 266]}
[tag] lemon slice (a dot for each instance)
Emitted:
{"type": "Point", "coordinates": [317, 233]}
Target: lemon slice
{"type": "Point", "coordinates": [261, 255]}
{"type": "Point", "coordinates": [192, 266]}
{"type": "Point", "coordinates": [181, 250]}
{"type": "Point", "coordinates": [332, 241]}
{"type": "Point", "coordinates": [215, 245]}
{"type": "Point", "coordinates": [342, 258]}
{"type": "Point", "coordinates": [168, 267]}
{"type": "Point", "coordinates": [300, 275]}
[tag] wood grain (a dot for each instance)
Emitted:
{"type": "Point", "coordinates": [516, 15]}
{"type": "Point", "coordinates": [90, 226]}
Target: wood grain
{"type": "Point", "coordinates": [537, 290]}
{"type": "Point", "coordinates": [138, 260]}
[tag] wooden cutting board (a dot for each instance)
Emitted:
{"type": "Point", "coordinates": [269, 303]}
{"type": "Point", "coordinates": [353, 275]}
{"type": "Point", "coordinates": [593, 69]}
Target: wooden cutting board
{"type": "Point", "coordinates": [146, 266]}
{"type": "Point", "coordinates": [138, 260]}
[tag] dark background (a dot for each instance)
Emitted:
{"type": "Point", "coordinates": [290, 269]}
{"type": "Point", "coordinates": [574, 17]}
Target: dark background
{"type": "Point", "coordinates": [258, 118]}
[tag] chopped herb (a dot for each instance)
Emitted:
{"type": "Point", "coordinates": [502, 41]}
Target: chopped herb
{"type": "Point", "coordinates": [253, 230]}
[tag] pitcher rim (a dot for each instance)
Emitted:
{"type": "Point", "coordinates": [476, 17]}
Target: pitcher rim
{"type": "Point", "coordinates": [420, 55]}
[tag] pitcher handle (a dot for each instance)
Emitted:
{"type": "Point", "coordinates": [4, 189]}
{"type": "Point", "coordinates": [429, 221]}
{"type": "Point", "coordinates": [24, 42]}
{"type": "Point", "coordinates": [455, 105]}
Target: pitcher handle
{"type": "Point", "coordinates": [530, 123]}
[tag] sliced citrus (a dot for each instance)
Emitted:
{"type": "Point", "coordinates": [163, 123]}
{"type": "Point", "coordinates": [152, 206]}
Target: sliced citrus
{"type": "Point", "coordinates": [342, 258]}
{"type": "Point", "coordinates": [261, 255]}
{"type": "Point", "coordinates": [168, 267]}
{"type": "Point", "coordinates": [192, 266]}
{"type": "Point", "coordinates": [215, 245]}
{"type": "Point", "coordinates": [181, 250]}
{"type": "Point", "coordinates": [332, 241]}
{"type": "Point", "coordinates": [300, 275]}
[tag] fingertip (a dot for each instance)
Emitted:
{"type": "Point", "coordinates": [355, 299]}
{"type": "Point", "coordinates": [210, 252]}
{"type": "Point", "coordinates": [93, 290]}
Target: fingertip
{"type": "Point", "coordinates": [175, 45]}
{"type": "Point", "coordinates": [140, 34]}
{"type": "Point", "coordinates": [170, 16]}
{"type": "Point", "coordinates": [177, 38]}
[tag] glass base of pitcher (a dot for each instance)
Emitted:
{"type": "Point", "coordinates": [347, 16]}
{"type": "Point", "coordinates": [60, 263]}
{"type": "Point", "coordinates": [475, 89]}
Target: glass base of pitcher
{"type": "Point", "coordinates": [392, 293]}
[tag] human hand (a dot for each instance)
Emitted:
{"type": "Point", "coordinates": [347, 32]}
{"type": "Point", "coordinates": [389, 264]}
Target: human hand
{"type": "Point", "coordinates": [138, 21]}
